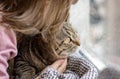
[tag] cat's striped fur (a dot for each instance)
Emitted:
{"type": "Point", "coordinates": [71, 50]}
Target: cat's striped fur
{"type": "Point", "coordinates": [31, 61]}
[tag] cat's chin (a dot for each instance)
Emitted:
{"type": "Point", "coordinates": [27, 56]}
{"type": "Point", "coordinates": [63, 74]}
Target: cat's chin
{"type": "Point", "coordinates": [62, 56]}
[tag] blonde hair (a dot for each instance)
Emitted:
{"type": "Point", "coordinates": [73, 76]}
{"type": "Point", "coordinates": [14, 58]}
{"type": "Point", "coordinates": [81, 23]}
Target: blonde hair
{"type": "Point", "coordinates": [24, 15]}
{"type": "Point", "coordinates": [31, 17]}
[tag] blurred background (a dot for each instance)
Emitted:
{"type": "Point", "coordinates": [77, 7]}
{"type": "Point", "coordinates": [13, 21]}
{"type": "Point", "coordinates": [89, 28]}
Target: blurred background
{"type": "Point", "coordinates": [97, 23]}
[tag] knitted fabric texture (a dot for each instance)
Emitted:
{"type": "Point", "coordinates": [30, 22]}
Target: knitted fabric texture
{"type": "Point", "coordinates": [77, 68]}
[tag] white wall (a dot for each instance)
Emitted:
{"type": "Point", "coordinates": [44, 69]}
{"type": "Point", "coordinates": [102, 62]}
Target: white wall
{"type": "Point", "coordinates": [113, 38]}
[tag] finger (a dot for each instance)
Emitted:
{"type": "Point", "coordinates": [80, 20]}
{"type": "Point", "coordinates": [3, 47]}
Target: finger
{"type": "Point", "coordinates": [62, 68]}
{"type": "Point", "coordinates": [57, 64]}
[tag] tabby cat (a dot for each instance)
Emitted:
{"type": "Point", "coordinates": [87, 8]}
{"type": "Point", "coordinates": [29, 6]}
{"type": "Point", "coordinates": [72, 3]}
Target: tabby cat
{"type": "Point", "coordinates": [33, 57]}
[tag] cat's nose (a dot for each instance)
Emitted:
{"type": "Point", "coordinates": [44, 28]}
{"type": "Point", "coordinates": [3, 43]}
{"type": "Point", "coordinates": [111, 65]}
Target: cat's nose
{"type": "Point", "coordinates": [77, 42]}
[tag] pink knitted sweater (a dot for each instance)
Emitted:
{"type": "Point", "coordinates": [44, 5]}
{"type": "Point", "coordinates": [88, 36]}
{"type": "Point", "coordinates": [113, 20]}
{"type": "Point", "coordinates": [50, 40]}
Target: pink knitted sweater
{"type": "Point", "coordinates": [8, 48]}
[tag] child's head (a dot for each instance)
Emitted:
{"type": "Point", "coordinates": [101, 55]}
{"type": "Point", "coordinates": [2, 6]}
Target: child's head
{"type": "Point", "coordinates": [33, 16]}
{"type": "Point", "coordinates": [41, 17]}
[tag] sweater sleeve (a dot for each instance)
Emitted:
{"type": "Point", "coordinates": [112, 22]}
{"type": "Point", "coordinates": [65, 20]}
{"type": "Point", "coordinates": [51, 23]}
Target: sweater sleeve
{"type": "Point", "coordinates": [8, 49]}
{"type": "Point", "coordinates": [77, 68]}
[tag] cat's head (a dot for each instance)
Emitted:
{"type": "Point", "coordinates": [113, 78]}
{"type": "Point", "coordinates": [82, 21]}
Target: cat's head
{"type": "Point", "coordinates": [67, 40]}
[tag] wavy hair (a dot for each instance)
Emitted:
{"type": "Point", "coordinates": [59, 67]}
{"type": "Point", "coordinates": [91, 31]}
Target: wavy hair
{"type": "Point", "coordinates": [41, 19]}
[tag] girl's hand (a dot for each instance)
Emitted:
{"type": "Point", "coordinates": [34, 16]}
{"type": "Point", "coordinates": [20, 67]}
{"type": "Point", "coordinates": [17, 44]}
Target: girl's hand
{"type": "Point", "coordinates": [60, 65]}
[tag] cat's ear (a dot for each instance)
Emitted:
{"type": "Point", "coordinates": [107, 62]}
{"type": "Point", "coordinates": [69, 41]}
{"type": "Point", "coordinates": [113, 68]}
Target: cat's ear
{"type": "Point", "coordinates": [74, 1]}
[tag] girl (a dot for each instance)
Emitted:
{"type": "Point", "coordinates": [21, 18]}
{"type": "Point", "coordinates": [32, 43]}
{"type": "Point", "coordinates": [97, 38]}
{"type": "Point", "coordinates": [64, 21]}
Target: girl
{"type": "Point", "coordinates": [27, 17]}
{"type": "Point", "coordinates": [27, 20]}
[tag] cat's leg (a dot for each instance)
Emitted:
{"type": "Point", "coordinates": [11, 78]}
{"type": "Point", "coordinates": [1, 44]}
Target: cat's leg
{"type": "Point", "coordinates": [23, 70]}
